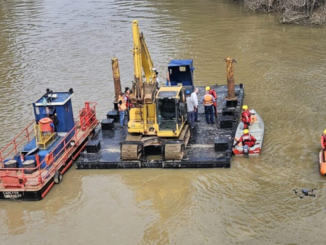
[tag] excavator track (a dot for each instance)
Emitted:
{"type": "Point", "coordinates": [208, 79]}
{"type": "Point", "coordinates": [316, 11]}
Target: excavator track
{"type": "Point", "coordinates": [131, 148]}
{"type": "Point", "coordinates": [173, 149]}
{"type": "Point", "coordinates": [176, 149]}
{"type": "Point", "coordinates": [131, 151]}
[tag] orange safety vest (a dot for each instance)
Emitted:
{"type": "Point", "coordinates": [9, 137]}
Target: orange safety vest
{"type": "Point", "coordinates": [123, 106]}
{"type": "Point", "coordinates": [208, 100]}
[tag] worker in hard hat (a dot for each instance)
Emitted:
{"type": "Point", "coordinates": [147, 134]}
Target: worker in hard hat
{"type": "Point", "coordinates": [246, 117]}
{"type": "Point", "coordinates": [127, 97]}
{"type": "Point", "coordinates": [195, 98]}
{"type": "Point", "coordinates": [323, 140]}
{"type": "Point", "coordinates": [246, 139]}
{"type": "Point", "coordinates": [190, 109]}
{"type": "Point", "coordinates": [122, 109]}
{"type": "Point", "coordinates": [208, 101]}
{"type": "Point", "coordinates": [213, 93]}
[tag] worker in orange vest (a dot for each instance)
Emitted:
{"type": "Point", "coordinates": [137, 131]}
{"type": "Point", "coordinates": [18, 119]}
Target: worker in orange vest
{"type": "Point", "coordinates": [208, 101]}
{"type": "Point", "coordinates": [127, 98]}
{"type": "Point", "coordinates": [122, 108]}
{"type": "Point", "coordinates": [127, 101]}
{"type": "Point", "coordinates": [213, 93]}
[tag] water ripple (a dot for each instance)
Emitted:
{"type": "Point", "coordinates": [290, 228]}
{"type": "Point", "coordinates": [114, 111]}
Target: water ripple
{"type": "Point", "coordinates": [63, 44]}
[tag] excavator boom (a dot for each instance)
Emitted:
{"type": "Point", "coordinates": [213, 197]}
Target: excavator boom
{"type": "Point", "coordinates": [147, 62]}
{"type": "Point", "coordinates": [143, 91]}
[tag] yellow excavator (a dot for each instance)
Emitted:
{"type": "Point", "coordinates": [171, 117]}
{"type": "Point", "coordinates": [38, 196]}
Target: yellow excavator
{"type": "Point", "coordinates": [157, 120]}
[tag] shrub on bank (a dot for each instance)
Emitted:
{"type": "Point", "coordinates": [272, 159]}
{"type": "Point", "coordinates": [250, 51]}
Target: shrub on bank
{"type": "Point", "coordinates": [292, 11]}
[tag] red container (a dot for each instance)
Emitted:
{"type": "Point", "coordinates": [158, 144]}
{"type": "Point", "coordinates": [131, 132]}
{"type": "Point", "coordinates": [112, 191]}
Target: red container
{"type": "Point", "coordinates": [45, 124]}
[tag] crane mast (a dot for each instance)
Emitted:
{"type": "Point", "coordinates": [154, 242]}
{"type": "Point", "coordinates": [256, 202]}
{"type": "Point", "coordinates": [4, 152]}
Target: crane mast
{"type": "Point", "coordinates": [143, 91]}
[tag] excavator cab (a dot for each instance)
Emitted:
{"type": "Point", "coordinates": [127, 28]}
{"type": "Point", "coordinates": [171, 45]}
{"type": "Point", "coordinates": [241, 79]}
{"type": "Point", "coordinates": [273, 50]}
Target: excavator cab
{"type": "Point", "coordinates": [167, 113]}
{"type": "Point", "coordinates": [170, 110]}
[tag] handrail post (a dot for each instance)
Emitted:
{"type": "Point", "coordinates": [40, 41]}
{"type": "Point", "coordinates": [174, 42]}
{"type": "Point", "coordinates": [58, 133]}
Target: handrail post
{"type": "Point", "coordinates": [27, 133]}
{"type": "Point", "coordinates": [15, 146]}
{"type": "Point", "coordinates": [65, 149]}
{"type": "Point", "coordinates": [75, 136]}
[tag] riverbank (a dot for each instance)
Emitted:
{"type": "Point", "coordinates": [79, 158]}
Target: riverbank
{"type": "Point", "coordinates": [294, 11]}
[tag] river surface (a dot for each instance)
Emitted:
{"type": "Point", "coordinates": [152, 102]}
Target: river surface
{"type": "Point", "coordinates": [62, 44]}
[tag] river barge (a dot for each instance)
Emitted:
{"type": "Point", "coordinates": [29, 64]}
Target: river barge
{"type": "Point", "coordinates": [158, 133]}
{"type": "Point", "coordinates": [40, 154]}
{"type": "Point", "coordinates": [210, 145]}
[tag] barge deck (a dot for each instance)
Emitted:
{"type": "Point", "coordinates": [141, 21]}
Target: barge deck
{"type": "Point", "coordinates": [210, 145]}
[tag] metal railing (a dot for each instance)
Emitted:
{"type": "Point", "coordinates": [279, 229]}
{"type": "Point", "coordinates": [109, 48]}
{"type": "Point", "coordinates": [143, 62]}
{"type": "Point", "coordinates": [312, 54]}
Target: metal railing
{"type": "Point", "coordinates": [36, 176]}
{"type": "Point", "coordinates": [24, 136]}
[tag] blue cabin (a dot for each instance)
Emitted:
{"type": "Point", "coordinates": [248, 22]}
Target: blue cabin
{"type": "Point", "coordinates": [54, 121]}
{"type": "Point", "coordinates": [181, 72]}
{"type": "Point", "coordinates": [58, 107]}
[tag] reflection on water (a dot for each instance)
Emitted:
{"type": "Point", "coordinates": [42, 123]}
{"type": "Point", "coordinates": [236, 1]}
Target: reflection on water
{"type": "Point", "coordinates": [60, 44]}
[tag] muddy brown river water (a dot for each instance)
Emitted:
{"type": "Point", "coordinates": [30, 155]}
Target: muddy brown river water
{"type": "Point", "coordinates": [62, 44]}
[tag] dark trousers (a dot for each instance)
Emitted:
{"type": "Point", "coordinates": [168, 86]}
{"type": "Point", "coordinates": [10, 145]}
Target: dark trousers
{"type": "Point", "coordinates": [196, 115]}
{"type": "Point", "coordinates": [209, 114]}
{"type": "Point", "coordinates": [191, 118]}
{"type": "Point", "coordinates": [122, 117]}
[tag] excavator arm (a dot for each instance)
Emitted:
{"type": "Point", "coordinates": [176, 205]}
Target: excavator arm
{"type": "Point", "coordinates": [143, 91]}
{"type": "Point", "coordinates": [147, 62]}
{"type": "Point", "coordinates": [138, 78]}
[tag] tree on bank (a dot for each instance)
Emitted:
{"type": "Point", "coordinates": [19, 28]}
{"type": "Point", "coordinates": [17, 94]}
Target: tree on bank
{"type": "Point", "coordinates": [292, 11]}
